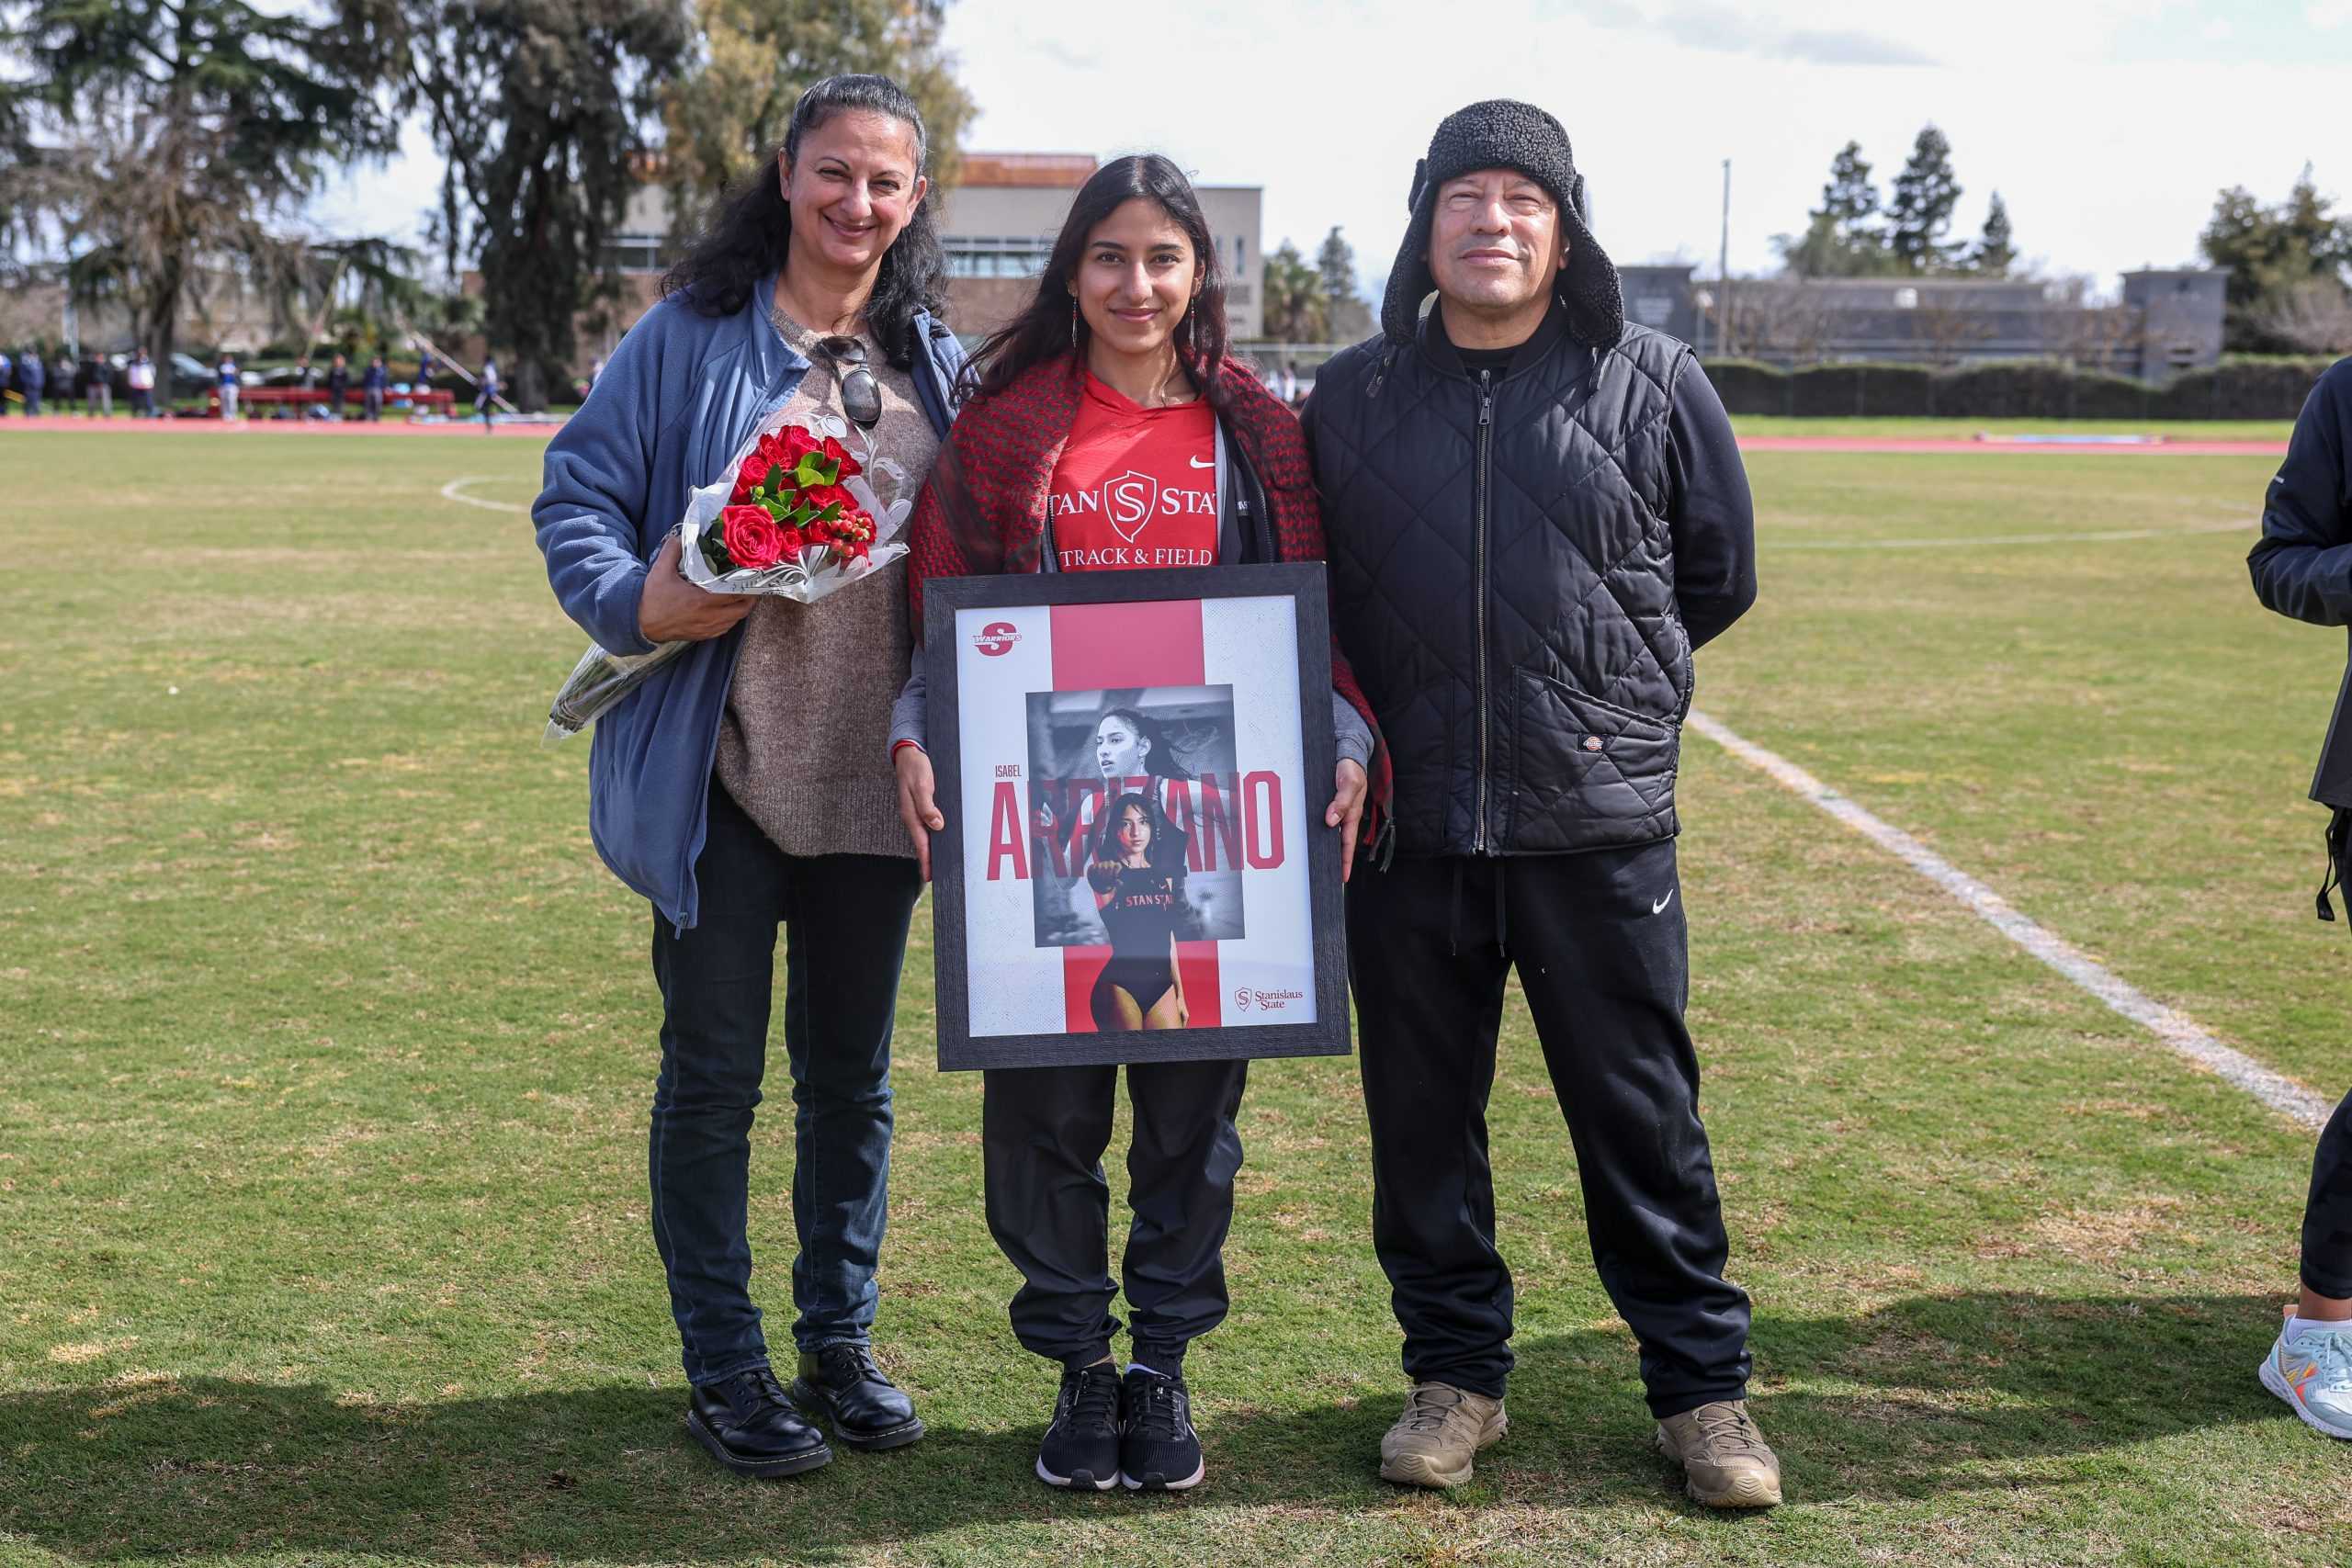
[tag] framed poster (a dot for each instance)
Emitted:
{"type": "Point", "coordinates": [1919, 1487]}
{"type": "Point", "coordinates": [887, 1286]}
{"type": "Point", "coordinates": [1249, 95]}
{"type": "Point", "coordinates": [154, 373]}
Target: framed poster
{"type": "Point", "coordinates": [1134, 768]}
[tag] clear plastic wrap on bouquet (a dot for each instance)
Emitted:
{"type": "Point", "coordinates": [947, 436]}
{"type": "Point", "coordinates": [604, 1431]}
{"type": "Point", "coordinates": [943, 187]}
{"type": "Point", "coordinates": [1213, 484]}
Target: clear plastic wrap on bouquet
{"type": "Point", "coordinates": [794, 517]}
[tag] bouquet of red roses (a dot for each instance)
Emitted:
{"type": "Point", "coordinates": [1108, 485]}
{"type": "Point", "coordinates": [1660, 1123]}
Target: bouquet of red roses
{"type": "Point", "coordinates": [794, 518]}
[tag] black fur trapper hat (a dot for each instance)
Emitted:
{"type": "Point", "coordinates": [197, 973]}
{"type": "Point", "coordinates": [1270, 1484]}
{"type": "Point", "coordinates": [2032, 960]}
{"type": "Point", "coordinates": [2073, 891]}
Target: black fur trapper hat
{"type": "Point", "coordinates": [1503, 134]}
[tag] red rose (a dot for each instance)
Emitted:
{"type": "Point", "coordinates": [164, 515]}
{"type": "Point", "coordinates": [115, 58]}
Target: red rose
{"type": "Point", "coordinates": [822, 496]}
{"type": "Point", "coordinates": [753, 541]}
{"type": "Point", "coordinates": [770, 447]}
{"type": "Point", "coordinates": [840, 453]}
{"type": "Point", "coordinates": [797, 444]}
{"type": "Point", "coordinates": [794, 542]}
{"type": "Point", "coordinates": [753, 473]}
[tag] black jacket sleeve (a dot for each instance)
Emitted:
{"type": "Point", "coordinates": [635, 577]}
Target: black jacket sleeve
{"type": "Point", "coordinates": [1708, 508]}
{"type": "Point", "coordinates": [2302, 564]}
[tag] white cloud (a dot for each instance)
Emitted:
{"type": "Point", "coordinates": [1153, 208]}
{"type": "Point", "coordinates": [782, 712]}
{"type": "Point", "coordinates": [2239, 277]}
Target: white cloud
{"type": "Point", "coordinates": [2328, 15]}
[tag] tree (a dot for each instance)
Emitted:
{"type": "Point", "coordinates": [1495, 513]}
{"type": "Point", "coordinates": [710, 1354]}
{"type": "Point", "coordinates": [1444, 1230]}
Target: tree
{"type": "Point", "coordinates": [2272, 253]}
{"type": "Point", "coordinates": [159, 141]}
{"type": "Point", "coordinates": [1295, 308]}
{"type": "Point", "coordinates": [1842, 237]}
{"type": "Point", "coordinates": [542, 110]}
{"type": "Point", "coordinates": [1346, 316]}
{"type": "Point", "coordinates": [725, 114]}
{"type": "Point", "coordinates": [1919, 211]}
{"type": "Point", "coordinates": [1994, 254]}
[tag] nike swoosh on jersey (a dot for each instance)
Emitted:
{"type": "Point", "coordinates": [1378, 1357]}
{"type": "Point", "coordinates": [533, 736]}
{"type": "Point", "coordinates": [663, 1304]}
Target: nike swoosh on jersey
{"type": "Point", "coordinates": [1198, 463]}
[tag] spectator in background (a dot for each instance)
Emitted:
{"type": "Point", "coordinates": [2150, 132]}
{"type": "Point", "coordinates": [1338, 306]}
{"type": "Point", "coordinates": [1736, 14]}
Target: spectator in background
{"type": "Point", "coordinates": [226, 371]}
{"type": "Point", "coordinates": [97, 386]}
{"type": "Point", "coordinates": [373, 383]}
{"type": "Point", "coordinates": [32, 376]}
{"type": "Point", "coordinates": [304, 377]}
{"type": "Point", "coordinates": [486, 391]}
{"type": "Point", "coordinates": [8, 380]}
{"type": "Point", "coordinates": [1290, 383]}
{"type": "Point", "coordinates": [140, 376]}
{"type": "Point", "coordinates": [338, 386]}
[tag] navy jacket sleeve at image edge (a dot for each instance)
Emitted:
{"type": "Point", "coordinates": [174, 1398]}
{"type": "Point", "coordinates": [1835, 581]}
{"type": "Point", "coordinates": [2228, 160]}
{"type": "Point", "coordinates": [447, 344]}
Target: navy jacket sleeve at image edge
{"type": "Point", "coordinates": [2302, 564]}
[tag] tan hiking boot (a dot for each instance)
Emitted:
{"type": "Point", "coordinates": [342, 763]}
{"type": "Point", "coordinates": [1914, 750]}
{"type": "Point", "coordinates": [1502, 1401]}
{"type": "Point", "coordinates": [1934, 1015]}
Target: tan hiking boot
{"type": "Point", "coordinates": [1724, 1460]}
{"type": "Point", "coordinates": [1434, 1443]}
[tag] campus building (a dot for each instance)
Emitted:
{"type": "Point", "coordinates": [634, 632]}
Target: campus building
{"type": "Point", "coordinates": [2167, 320]}
{"type": "Point", "coordinates": [1000, 221]}
{"type": "Point", "coordinates": [998, 226]}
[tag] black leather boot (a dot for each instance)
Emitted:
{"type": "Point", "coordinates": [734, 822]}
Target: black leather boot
{"type": "Point", "coordinates": [749, 1426]}
{"type": "Point", "coordinates": [841, 1384]}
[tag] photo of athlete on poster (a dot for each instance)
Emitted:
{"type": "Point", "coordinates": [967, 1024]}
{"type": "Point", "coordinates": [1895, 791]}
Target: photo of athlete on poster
{"type": "Point", "coordinates": [1173, 746]}
{"type": "Point", "coordinates": [1141, 904]}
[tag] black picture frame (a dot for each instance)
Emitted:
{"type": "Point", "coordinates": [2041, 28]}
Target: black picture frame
{"type": "Point", "coordinates": [1304, 584]}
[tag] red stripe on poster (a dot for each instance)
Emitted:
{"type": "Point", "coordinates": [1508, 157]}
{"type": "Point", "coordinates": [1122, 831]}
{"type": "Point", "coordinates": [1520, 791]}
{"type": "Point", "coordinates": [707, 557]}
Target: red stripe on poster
{"type": "Point", "coordinates": [1204, 998]}
{"type": "Point", "coordinates": [1155, 643]}
{"type": "Point", "coordinates": [1195, 965]}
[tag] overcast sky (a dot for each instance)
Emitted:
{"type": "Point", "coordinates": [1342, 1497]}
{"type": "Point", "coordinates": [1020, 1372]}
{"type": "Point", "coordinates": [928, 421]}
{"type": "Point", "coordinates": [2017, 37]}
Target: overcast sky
{"type": "Point", "coordinates": [2106, 125]}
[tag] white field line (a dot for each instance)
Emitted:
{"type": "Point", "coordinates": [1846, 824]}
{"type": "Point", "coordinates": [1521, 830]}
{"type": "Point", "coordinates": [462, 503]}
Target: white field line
{"type": "Point", "coordinates": [452, 492]}
{"type": "Point", "coordinates": [2176, 1030]}
{"type": "Point", "coordinates": [2104, 536]}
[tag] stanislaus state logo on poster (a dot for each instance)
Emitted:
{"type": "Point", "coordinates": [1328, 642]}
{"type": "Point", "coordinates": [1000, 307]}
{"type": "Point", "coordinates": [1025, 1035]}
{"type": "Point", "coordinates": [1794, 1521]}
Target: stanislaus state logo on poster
{"type": "Point", "coordinates": [1133, 790]}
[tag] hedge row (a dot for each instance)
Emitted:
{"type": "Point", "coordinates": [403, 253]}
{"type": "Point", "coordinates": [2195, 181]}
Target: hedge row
{"type": "Point", "coordinates": [2241, 387]}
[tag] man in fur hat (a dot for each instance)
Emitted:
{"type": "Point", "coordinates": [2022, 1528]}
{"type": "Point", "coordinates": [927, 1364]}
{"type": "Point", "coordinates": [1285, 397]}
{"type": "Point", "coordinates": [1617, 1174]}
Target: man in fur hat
{"type": "Point", "coordinates": [1536, 512]}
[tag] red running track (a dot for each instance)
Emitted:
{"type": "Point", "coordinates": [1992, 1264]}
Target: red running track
{"type": "Point", "coordinates": [123, 424]}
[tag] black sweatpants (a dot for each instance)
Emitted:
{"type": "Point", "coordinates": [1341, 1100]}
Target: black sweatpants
{"type": "Point", "coordinates": [2327, 1217]}
{"type": "Point", "coordinates": [1043, 1133]}
{"type": "Point", "coordinates": [1601, 951]}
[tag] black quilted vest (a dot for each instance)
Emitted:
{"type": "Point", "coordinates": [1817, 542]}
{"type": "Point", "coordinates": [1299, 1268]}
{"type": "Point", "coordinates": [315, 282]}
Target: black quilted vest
{"type": "Point", "coordinates": [1502, 580]}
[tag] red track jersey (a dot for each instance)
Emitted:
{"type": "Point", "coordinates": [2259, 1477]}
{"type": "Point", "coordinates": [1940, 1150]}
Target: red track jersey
{"type": "Point", "coordinates": [1135, 486]}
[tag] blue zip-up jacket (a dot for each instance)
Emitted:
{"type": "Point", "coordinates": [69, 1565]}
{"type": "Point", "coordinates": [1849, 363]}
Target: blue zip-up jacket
{"type": "Point", "coordinates": [681, 395]}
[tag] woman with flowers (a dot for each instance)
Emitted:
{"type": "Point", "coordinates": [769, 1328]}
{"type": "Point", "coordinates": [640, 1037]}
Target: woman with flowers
{"type": "Point", "coordinates": [1118, 368]}
{"type": "Point", "coordinates": [744, 788]}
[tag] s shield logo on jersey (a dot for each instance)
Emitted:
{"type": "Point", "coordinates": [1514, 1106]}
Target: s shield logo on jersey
{"type": "Point", "coordinates": [996, 640]}
{"type": "Point", "coordinates": [1129, 501]}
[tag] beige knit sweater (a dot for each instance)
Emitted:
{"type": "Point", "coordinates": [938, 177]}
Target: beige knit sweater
{"type": "Point", "coordinates": [804, 745]}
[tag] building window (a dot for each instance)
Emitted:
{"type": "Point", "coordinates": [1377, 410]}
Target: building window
{"type": "Point", "coordinates": [1906, 298]}
{"type": "Point", "coordinates": [634, 253]}
{"type": "Point", "coordinates": [983, 255]}
{"type": "Point", "coordinates": [1241, 255]}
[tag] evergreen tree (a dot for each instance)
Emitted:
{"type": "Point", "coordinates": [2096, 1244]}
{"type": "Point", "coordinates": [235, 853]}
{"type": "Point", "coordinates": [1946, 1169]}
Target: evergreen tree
{"type": "Point", "coordinates": [1920, 210]}
{"type": "Point", "coordinates": [543, 111]}
{"type": "Point", "coordinates": [2276, 256]}
{"type": "Point", "coordinates": [161, 139]}
{"type": "Point", "coordinates": [1346, 316]}
{"type": "Point", "coordinates": [1842, 237]}
{"type": "Point", "coordinates": [1294, 308]}
{"type": "Point", "coordinates": [1994, 254]}
{"type": "Point", "coordinates": [726, 114]}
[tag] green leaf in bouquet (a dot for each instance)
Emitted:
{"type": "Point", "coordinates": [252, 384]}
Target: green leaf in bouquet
{"type": "Point", "coordinates": [780, 507]}
{"type": "Point", "coordinates": [802, 515]}
{"type": "Point", "coordinates": [713, 551]}
{"type": "Point", "coordinates": [832, 514]}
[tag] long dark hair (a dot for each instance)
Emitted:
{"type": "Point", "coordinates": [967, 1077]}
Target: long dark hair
{"type": "Point", "coordinates": [749, 233]}
{"type": "Point", "coordinates": [1043, 331]}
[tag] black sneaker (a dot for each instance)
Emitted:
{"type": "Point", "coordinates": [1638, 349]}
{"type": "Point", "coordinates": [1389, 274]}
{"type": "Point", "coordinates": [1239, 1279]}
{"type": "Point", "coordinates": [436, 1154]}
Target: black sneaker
{"type": "Point", "coordinates": [750, 1428]}
{"type": "Point", "coordinates": [1159, 1451]}
{"type": "Point", "coordinates": [842, 1385]}
{"type": "Point", "coordinates": [1081, 1445]}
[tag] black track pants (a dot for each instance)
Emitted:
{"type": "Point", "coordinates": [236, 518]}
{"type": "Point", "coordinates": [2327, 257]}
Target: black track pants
{"type": "Point", "coordinates": [1600, 948]}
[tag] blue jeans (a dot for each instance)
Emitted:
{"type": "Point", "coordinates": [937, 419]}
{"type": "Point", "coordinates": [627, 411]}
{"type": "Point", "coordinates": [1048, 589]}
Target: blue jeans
{"type": "Point", "coordinates": [845, 919]}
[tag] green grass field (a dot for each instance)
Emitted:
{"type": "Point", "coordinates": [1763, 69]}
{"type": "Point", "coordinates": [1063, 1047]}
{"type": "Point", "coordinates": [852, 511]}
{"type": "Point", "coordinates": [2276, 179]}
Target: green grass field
{"type": "Point", "coordinates": [323, 1220]}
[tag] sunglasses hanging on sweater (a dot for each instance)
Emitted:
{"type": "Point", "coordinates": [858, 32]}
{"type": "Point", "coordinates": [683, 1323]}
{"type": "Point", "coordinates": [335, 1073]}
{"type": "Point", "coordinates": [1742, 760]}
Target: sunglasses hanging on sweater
{"type": "Point", "coordinates": [861, 393]}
